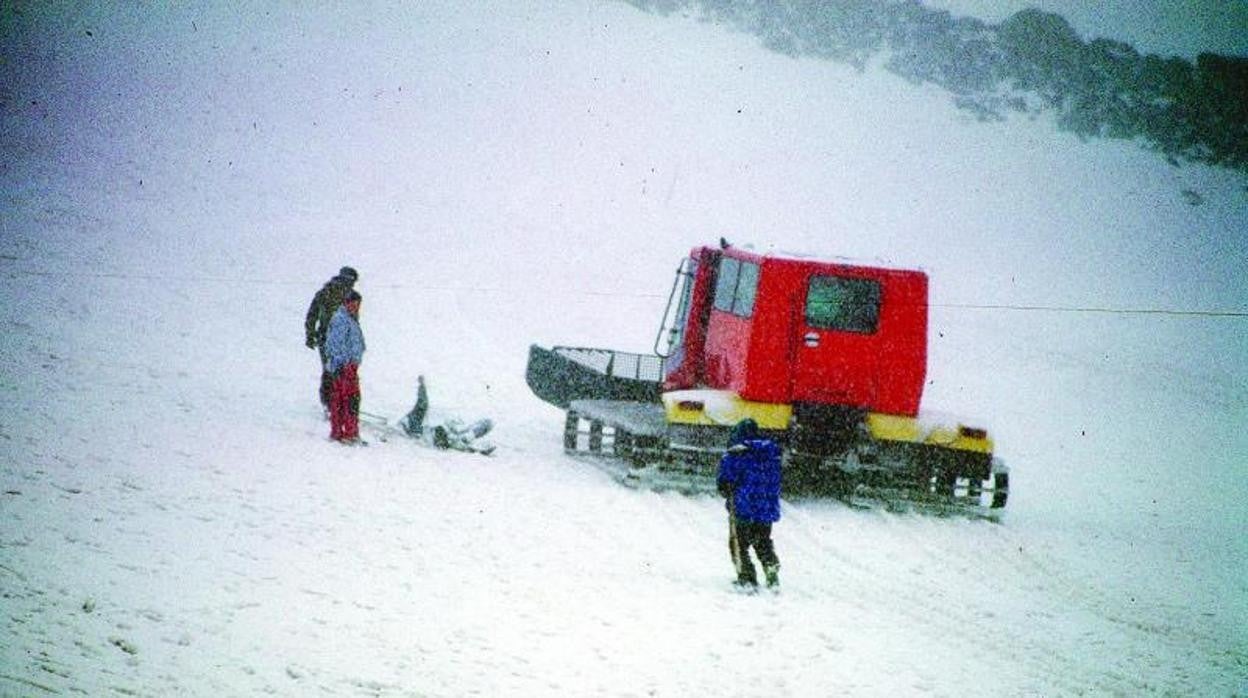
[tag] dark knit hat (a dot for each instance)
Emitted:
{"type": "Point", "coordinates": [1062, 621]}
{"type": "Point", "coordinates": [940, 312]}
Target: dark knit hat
{"type": "Point", "coordinates": [745, 430]}
{"type": "Point", "coordinates": [349, 274]}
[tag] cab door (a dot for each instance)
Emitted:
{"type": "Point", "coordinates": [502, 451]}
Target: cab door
{"type": "Point", "coordinates": [836, 340]}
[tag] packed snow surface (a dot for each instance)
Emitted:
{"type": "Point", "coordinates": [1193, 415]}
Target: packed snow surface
{"type": "Point", "coordinates": [178, 182]}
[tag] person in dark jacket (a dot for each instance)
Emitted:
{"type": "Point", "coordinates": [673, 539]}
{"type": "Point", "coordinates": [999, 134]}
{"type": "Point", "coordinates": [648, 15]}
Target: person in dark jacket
{"type": "Point", "coordinates": [749, 478]}
{"type": "Point", "coordinates": [316, 324]}
{"type": "Point", "coordinates": [344, 349]}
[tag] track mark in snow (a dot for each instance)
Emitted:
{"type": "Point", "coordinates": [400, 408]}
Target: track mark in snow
{"type": "Point", "coordinates": [30, 684]}
{"type": "Point", "coordinates": [932, 608]}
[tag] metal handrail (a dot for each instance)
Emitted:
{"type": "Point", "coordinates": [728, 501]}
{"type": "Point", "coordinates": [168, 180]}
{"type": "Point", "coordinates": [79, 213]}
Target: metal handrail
{"type": "Point", "coordinates": [673, 330]}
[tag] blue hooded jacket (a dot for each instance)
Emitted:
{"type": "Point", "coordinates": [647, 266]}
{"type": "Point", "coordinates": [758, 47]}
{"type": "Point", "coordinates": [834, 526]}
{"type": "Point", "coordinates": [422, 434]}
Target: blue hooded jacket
{"type": "Point", "coordinates": [749, 473]}
{"type": "Point", "coordinates": [344, 343]}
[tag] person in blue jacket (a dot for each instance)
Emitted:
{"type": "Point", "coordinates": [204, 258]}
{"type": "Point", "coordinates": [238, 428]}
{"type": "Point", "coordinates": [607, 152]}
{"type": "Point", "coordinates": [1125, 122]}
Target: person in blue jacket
{"type": "Point", "coordinates": [316, 324]}
{"type": "Point", "coordinates": [749, 478]}
{"type": "Point", "coordinates": [344, 350]}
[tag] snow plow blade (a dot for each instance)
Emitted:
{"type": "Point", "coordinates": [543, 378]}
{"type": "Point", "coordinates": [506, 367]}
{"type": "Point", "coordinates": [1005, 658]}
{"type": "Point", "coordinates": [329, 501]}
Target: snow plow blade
{"type": "Point", "coordinates": [560, 375]}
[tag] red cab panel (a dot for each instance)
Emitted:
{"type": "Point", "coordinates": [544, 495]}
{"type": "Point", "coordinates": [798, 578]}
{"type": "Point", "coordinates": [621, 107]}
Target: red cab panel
{"type": "Point", "coordinates": [785, 329]}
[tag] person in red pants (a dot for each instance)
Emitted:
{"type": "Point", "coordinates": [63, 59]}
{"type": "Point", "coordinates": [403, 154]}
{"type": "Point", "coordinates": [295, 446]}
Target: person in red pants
{"type": "Point", "coordinates": [324, 304]}
{"type": "Point", "coordinates": [344, 349]}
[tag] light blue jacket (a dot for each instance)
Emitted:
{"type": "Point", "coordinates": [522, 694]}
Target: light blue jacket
{"type": "Point", "coordinates": [344, 344]}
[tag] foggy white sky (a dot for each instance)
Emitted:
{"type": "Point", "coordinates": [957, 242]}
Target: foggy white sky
{"type": "Point", "coordinates": [1171, 27]}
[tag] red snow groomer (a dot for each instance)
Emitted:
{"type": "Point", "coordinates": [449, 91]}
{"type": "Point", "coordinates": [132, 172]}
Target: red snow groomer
{"type": "Point", "coordinates": [828, 357]}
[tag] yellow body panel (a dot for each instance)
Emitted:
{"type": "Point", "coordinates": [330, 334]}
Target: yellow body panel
{"type": "Point", "coordinates": [891, 427]}
{"type": "Point", "coordinates": [726, 408]}
{"type": "Point", "coordinates": [723, 408]}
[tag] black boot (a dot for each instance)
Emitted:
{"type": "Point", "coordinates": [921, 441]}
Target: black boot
{"type": "Point", "coordinates": [772, 573]}
{"type": "Point", "coordinates": [747, 578]}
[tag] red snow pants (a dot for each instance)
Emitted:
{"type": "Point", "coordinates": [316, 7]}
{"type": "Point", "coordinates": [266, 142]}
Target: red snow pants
{"type": "Point", "coordinates": [344, 404]}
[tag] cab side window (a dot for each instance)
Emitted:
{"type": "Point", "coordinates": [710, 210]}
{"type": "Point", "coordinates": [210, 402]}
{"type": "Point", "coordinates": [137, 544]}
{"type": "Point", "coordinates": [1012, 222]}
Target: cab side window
{"type": "Point", "coordinates": [726, 283]}
{"type": "Point", "coordinates": [843, 304]}
{"type": "Point", "coordinates": [736, 286]}
{"type": "Point", "coordinates": [747, 288]}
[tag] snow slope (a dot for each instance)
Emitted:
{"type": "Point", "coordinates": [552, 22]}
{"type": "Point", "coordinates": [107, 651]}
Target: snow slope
{"type": "Point", "coordinates": [178, 182]}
